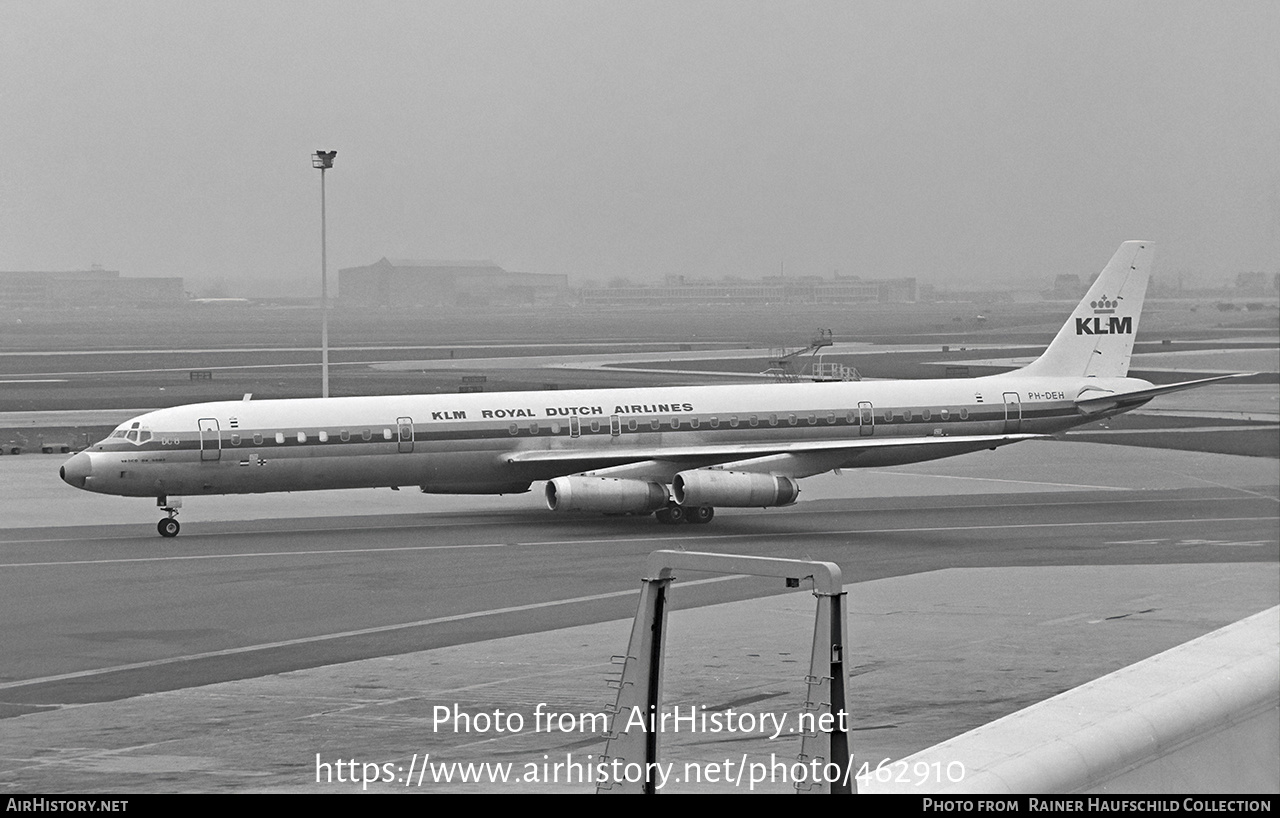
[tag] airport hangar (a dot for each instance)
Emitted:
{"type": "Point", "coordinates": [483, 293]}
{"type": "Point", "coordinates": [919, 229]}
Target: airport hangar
{"type": "Point", "coordinates": [95, 287]}
{"type": "Point", "coordinates": [410, 283]}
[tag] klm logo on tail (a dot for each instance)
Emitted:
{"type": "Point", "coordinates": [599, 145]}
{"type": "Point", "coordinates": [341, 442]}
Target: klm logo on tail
{"type": "Point", "coordinates": [1114, 325]}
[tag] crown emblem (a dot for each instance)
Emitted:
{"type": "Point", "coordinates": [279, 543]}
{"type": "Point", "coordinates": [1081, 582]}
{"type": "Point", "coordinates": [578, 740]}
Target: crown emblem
{"type": "Point", "coordinates": [1104, 306]}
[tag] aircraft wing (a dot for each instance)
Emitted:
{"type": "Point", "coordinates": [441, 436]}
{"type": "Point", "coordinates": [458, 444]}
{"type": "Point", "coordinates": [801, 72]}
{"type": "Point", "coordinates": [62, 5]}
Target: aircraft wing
{"type": "Point", "coordinates": [1127, 400]}
{"type": "Point", "coordinates": [793, 458]}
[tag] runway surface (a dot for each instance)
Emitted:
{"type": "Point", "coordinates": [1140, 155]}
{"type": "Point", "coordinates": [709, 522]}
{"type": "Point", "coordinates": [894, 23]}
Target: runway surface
{"type": "Point", "coordinates": [108, 615]}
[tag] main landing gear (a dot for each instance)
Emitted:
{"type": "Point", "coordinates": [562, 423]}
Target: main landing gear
{"type": "Point", "coordinates": [168, 527]}
{"type": "Point", "coordinates": [673, 514]}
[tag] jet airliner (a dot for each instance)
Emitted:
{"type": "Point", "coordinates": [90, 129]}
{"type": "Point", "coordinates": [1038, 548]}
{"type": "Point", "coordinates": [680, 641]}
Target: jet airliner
{"type": "Point", "coordinates": [675, 452]}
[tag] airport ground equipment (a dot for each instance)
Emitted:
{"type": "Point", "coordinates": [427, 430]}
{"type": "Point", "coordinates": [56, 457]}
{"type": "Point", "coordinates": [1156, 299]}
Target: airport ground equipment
{"type": "Point", "coordinates": [782, 362]}
{"type": "Point", "coordinates": [640, 687]}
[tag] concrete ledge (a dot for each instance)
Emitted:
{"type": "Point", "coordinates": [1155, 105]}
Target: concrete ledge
{"type": "Point", "coordinates": [1204, 716]}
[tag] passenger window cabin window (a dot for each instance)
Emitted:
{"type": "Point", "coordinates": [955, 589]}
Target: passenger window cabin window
{"type": "Point", "coordinates": [324, 437]}
{"type": "Point", "coordinates": [366, 434]}
{"type": "Point", "coordinates": [925, 414]}
{"type": "Point", "coordinates": [693, 422]}
{"type": "Point", "coordinates": [831, 418]}
{"type": "Point", "coordinates": [733, 421]}
{"type": "Point", "coordinates": [279, 437]}
{"type": "Point", "coordinates": [533, 428]}
{"type": "Point", "coordinates": [514, 429]}
{"type": "Point", "coordinates": [849, 417]}
{"type": "Point", "coordinates": [715, 422]}
{"type": "Point", "coordinates": [889, 416]}
{"type": "Point", "coordinates": [386, 434]}
{"type": "Point", "coordinates": [964, 414]}
{"type": "Point", "coordinates": [235, 440]}
{"type": "Point", "coordinates": [595, 425]}
{"type": "Point", "coordinates": [675, 423]}
{"type": "Point", "coordinates": [555, 428]}
{"type": "Point", "coordinates": [813, 419]}
{"type": "Point", "coordinates": [302, 437]}
{"type": "Point", "coordinates": [257, 439]}
{"type": "Point", "coordinates": [655, 424]}
{"type": "Point", "coordinates": [632, 424]}
{"type": "Point", "coordinates": [344, 435]}
{"type": "Point", "coordinates": [754, 420]}
{"type": "Point", "coordinates": [773, 419]}
{"type": "Point", "coordinates": [791, 420]}
{"type": "Point", "coordinates": [946, 414]}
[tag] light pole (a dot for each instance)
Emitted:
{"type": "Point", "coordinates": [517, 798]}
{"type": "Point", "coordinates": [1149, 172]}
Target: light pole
{"type": "Point", "coordinates": [323, 160]}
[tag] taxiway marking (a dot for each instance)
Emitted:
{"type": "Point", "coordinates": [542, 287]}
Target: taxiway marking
{"type": "Point", "coordinates": [324, 637]}
{"type": "Point", "coordinates": [676, 539]}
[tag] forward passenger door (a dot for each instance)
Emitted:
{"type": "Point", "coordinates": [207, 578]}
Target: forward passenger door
{"type": "Point", "coordinates": [210, 439]}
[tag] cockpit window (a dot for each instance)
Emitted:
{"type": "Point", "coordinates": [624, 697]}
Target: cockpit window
{"type": "Point", "coordinates": [134, 434]}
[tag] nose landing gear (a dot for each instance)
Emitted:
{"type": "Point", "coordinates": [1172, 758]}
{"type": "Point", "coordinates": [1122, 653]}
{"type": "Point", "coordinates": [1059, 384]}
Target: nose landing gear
{"type": "Point", "coordinates": [169, 527]}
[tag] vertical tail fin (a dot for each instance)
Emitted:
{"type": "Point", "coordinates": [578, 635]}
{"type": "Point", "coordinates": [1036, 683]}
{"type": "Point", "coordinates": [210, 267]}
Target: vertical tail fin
{"type": "Point", "coordinates": [1097, 340]}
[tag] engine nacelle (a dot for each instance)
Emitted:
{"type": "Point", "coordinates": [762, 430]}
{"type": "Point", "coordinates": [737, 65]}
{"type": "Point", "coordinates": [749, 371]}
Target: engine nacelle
{"type": "Point", "coordinates": [714, 487]}
{"type": "Point", "coordinates": [605, 494]}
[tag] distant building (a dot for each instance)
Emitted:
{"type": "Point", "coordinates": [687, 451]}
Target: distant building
{"type": "Point", "coordinates": [409, 283]}
{"type": "Point", "coordinates": [1067, 285]}
{"type": "Point", "coordinates": [1257, 283]}
{"type": "Point", "coordinates": [85, 288]}
{"type": "Point", "coordinates": [769, 290]}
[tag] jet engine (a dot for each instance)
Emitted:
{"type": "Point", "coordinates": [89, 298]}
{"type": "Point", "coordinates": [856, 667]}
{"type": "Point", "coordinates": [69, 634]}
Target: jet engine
{"type": "Point", "coordinates": [605, 494]}
{"type": "Point", "coordinates": [714, 487]}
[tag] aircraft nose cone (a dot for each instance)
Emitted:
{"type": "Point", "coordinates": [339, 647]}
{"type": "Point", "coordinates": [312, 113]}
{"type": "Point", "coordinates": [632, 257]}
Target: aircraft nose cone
{"type": "Point", "coordinates": [76, 470]}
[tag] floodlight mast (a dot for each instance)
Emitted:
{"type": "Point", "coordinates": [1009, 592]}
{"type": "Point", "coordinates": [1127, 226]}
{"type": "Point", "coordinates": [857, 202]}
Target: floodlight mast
{"type": "Point", "coordinates": [323, 160]}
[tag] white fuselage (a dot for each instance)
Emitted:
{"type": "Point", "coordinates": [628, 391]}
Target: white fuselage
{"type": "Point", "coordinates": [484, 443]}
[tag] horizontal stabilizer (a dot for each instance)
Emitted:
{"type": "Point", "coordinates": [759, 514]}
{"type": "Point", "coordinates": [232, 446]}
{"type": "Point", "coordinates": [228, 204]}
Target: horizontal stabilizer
{"type": "Point", "coordinates": [1091, 403]}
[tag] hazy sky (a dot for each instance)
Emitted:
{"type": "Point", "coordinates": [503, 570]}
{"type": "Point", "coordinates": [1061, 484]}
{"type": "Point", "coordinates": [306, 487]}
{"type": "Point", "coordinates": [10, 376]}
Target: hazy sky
{"type": "Point", "coordinates": [952, 141]}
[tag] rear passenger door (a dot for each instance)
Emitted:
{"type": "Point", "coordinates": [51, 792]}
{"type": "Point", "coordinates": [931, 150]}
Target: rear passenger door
{"type": "Point", "coordinates": [404, 434]}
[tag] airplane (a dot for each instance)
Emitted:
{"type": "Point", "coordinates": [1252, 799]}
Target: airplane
{"type": "Point", "coordinates": [675, 452]}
